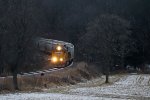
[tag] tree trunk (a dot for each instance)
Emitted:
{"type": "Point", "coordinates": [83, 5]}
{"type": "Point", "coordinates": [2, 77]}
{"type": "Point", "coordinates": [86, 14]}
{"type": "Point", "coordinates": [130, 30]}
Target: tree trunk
{"type": "Point", "coordinates": [107, 75]}
{"type": "Point", "coordinates": [14, 72]}
{"type": "Point", "coordinates": [107, 78]}
{"type": "Point", "coordinates": [15, 82]}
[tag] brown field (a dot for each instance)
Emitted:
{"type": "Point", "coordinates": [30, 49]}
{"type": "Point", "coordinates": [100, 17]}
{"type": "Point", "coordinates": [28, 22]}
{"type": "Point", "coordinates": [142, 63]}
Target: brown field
{"type": "Point", "coordinates": [78, 73]}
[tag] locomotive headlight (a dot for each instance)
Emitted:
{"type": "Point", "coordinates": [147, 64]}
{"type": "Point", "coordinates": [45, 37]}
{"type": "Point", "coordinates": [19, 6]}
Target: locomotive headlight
{"type": "Point", "coordinates": [54, 59]}
{"type": "Point", "coordinates": [59, 48]}
{"type": "Point", "coordinates": [61, 59]}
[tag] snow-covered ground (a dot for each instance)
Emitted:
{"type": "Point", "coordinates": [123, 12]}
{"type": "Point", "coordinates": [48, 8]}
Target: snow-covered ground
{"type": "Point", "coordinates": [129, 87]}
{"type": "Point", "coordinates": [50, 96]}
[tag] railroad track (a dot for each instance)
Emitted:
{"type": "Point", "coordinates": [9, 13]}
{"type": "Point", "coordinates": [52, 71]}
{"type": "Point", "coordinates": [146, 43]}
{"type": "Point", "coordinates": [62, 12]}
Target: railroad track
{"type": "Point", "coordinates": [41, 72]}
{"type": "Point", "coordinates": [6, 82]}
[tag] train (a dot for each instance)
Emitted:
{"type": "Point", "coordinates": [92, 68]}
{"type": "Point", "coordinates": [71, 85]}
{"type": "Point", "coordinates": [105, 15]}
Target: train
{"type": "Point", "coordinates": [60, 53]}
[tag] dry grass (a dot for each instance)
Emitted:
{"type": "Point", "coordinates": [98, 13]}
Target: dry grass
{"type": "Point", "coordinates": [72, 75]}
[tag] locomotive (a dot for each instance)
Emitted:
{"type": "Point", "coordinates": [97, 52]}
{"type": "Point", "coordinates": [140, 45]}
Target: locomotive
{"type": "Point", "coordinates": [60, 53]}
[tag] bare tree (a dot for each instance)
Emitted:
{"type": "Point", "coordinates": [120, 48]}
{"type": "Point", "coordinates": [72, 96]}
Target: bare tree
{"type": "Point", "coordinates": [106, 37]}
{"type": "Point", "coordinates": [20, 26]}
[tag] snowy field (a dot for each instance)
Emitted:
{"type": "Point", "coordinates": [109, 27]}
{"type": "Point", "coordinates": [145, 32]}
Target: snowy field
{"type": "Point", "coordinates": [50, 96]}
{"type": "Point", "coordinates": [130, 87]}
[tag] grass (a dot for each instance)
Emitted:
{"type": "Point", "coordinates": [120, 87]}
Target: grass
{"type": "Point", "coordinates": [68, 76]}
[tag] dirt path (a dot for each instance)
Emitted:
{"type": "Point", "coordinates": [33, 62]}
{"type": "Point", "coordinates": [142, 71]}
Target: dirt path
{"type": "Point", "coordinates": [129, 87]}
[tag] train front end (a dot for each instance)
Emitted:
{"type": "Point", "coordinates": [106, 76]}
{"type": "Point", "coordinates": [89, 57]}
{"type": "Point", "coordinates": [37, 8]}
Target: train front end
{"type": "Point", "coordinates": [59, 55]}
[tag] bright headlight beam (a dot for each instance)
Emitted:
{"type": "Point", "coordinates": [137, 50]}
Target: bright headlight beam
{"type": "Point", "coordinates": [61, 59]}
{"type": "Point", "coordinates": [58, 48]}
{"type": "Point", "coordinates": [54, 59]}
